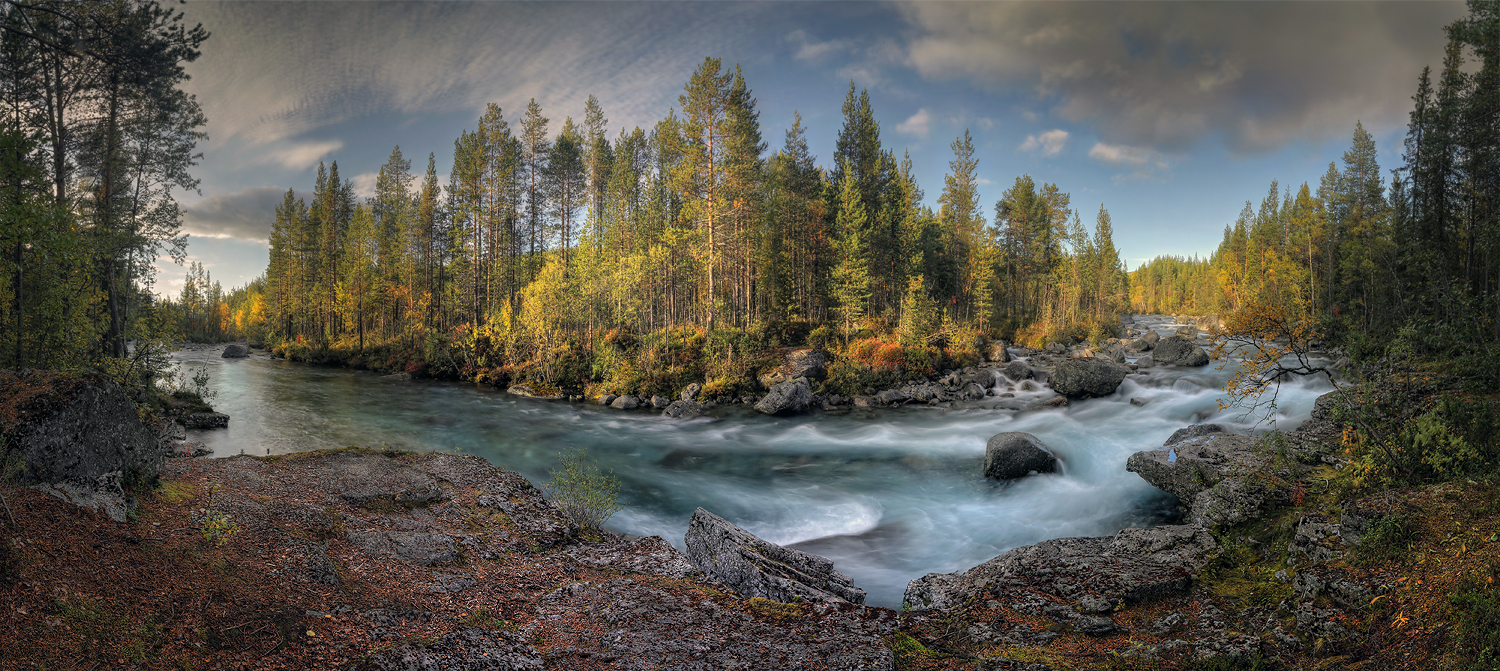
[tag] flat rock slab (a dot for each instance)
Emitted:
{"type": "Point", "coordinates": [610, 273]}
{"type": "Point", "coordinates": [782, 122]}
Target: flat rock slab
{"type": "Point", "coordinates": [374, 481]}
{"type": "Point", "coordinates": [467, 649]}
{"type": "Point", "coordinates": [755, 567]}
{"type": "Point", "coordinates": [646, 625]}
{"type": "Point", "coordinates": [424, 549]}
{"type": "Point", "coordinates": [651, 555]}
{"type": "Point", "coordinates": [1196, 463]}
{"type": "Point", "coordinates": [1131, 566]}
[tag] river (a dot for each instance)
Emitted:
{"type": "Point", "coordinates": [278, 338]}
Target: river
{"type": "Point", "coordinates": [888, 494]}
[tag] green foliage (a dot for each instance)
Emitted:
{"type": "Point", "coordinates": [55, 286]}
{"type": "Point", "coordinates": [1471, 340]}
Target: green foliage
{"type": "Point", "coordinates": [585, 495]}
{"type": "Point", "coordinates": [1251, 662]}
{"type": "Point", "coordinates": [1477, 625]}
{"type": "Point", "coordinates": [906, 649]}
{"type": "Point", "coordinates": [483, 618]}
{"type": "Point", "coordinates": [1387, 540]}
{"type": "Point", "coordinates": [217, 526]}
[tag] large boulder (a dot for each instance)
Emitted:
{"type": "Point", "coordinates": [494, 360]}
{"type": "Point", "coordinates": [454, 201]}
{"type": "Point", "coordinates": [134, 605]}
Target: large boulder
{"type": "Point", "coordinates": [1211, 472]}
{"type": "Point", "coordinates": [1132, 566]}
{"type": "Point", "coordinates": [754, 567]}
{"type": "Point", "coordinates": [683, 410]}
{"type": "Point", "coordinates": [1150, 338]}
{"type": "Point", "coordinates": [808, 363]}
{"type": "Point", "coordinates": [786, 398]}
{"type": "Point", "coordinates": [1180, 351]}
{"type": "Point", "coordinates": [78, 437]}
{"type": "Point", "coordinates": [235, 351]}
{"type": "Point", "coordinates": [1018, 370]}
{"type": "Point", "coordinates": [996, 352]}
{"type": "Point", "coordinates": [1088, 378]}
{"type": "Point", "coordinates": [1187, 331]}
{"type": "Point", "coordinates": [625, 403]}
{"type": "Point", "coordinates": [1015, 454]}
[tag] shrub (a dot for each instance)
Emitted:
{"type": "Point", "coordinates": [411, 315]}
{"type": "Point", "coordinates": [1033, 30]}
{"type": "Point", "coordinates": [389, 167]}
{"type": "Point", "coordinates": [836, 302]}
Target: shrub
{"type": "Point", "coordinates": [1388, 539]}
{"type": "Point", "coordinates": [585, 495]}
{"type": "Point", "coordinates": [1477, 629]}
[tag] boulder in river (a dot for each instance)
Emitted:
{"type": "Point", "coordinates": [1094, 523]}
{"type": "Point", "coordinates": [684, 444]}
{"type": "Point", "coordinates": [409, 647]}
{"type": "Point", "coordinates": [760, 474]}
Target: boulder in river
{"type": "Point", "coordinates": [1018, 370]}
{"type": "Point", "coordinates": [754, 567]}
{"type": "Point", "coordinates": [1180, 351]}
{"type": "Point", "coordinates": [792, 396]}
{"type": "Point", "coordinates": [1150, 338]}
{"type": "Point", "coordinates": [1014, 454]}
{"type": "Point", "coordinates": [684, 409]}
{"type": "Point", "coordinates": [1210, 473]}
{"type": "Point", "coordinates": [1088, 378]}
{"type": "Point", "coordinates": [660, 402]}
{"type": "Point", "coordinates": [625, 403]}
{"type": "Point", "coordinates": [235, 351]}
{"type": "Point", "coordinates": [1145, 362]}
{"type": "Point", "coordinates": [1187, 331]}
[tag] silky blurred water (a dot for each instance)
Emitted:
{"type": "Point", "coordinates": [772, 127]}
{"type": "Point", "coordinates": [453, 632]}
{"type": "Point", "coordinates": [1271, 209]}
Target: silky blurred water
{"type": "Point", "coordinates": [889, 495]}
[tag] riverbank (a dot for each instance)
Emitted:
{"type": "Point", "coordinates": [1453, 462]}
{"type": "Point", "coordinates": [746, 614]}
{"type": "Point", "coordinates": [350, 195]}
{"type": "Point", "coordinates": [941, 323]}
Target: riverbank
{"type": "Point", "coordinates": [356, 558]}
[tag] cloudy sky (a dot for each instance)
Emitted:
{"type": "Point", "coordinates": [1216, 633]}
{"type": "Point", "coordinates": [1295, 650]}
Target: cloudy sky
{"type": "Point", "coordinates": [1169, 114]}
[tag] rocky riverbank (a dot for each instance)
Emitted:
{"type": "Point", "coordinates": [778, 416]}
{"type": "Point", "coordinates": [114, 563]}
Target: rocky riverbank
{"type": "Point", "coordinates": [361, 559]}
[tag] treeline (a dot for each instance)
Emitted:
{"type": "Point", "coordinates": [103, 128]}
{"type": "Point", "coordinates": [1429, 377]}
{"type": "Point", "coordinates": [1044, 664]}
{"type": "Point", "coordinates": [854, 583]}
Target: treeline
{"type": "Point", "coordinates": [95, 133]}
{"type": "Point", "coordinates": [1372, 257]}
{"type": "Point", "coordinates": [542, 245]}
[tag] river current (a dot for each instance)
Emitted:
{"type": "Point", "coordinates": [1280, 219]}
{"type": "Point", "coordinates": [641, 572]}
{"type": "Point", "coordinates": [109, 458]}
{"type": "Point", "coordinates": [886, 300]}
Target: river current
{"type": "Point", "coordinates": [888, 494]}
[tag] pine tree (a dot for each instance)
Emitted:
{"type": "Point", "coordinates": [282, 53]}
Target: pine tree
{"type": "Point", "coordinates": [851, 275]}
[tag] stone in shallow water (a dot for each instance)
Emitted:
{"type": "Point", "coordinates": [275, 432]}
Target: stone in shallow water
{"type": "Point", "coordinates": [1015, 454]}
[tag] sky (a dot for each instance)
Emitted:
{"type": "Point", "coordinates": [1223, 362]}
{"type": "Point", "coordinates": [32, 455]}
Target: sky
{"type": "Point", "coordinates": [1168, 114]}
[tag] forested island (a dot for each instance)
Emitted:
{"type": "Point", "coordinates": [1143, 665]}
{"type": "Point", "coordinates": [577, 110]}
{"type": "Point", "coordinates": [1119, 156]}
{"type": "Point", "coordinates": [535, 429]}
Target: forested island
{"type": "Point", "coordinates": [692, 260]}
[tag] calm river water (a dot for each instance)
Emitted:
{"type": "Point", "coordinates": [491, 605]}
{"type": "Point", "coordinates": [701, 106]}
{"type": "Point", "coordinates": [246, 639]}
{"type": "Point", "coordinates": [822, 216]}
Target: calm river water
{"type": "Point", "coordinates": [889, 495]}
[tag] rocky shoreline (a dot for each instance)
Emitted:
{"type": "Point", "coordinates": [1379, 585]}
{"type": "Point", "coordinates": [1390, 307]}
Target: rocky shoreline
{"type": "Point", "coordinates": [393, 560]}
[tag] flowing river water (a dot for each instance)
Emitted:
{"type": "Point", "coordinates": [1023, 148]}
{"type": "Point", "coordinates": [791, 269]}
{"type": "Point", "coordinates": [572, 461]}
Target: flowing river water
{"type": "Point", "coordinates": [888, 494]}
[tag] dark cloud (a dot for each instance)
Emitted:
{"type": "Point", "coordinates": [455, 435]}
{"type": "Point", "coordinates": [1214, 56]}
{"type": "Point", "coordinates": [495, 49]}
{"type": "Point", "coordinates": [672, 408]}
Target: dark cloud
{"type": "Point", "coordinates": [1164, 75]}
{"type": "Point", "coordinates": [247, 215]}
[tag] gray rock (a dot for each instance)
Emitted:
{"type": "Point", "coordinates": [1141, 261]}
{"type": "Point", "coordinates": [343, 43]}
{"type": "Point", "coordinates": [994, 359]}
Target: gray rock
{"type": "Point", "coordinates": [1187, 331]}
{"type": "Point", "coordinates": [1015, 454]}
{"type": "Point", "coordinates": [1056, 348]}
{"type": "Point", "coordinates": [683, 409]}
{"type": "Point", "coordinates": [1194, 431]}
{"type": "Point", "coordinates": [424, 549]}
{"type": "Point", "coordinates": [625, 403]}
{"type": "Point", "coordinates": [1209, 473]}
{"type": "Point", "coordinates": [607, 399]}
{"type": "Point", "coordinates": [971, 392]}
{"type": "Point", "coordinates": [754, 567]}
{"type": "Point", "coordinates": [1131, 566]}
{"type": "Point", "coordinates": [1088, 378]}
{"type": "Point", "coordinates": [805, 363]}
{"type": "Point", "coordinates": [204, 420]}
{"type": "Point", "coordinates": [690, 393]}
{"type": "Point", "coordinates": [1180, 351]}
{"type": "Point", "coordinates": [1145, 362]}
{"type": "Point", "coordinates": [466, 649]}
{"type": "Point", "coordinates": [660, 402]}
{"type": "Point", "coordinates": [235, 351]}
{"type": "Point", "coordinates": [1150, 337]}
{"type": "Point", "coordinates": [649, 555]}
{"type": "Point", "coordinates": [786, 398]}
{"type": "Point", "coordinates": [1139, 401]}
{"type": "Point", "coordinates": [1018, 370]}
{"type": "Point", "coordinates": [84, 429]}
{"type": "Point", "coordinates": [891, 397]}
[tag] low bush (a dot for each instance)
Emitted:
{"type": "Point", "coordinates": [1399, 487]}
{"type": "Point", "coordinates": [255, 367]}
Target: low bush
{"type": "Point", "coordinates": [1477, 627]}
{"type": "Point", "coordinates": [586, 496]}
{"type": "Point", "coordinates": [1387, 540]}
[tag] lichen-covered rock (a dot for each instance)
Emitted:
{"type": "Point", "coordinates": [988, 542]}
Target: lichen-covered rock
{"type": "Point", "coordinates": [660, 402]}
{"type": "Point", "coordinates": [1015, 455]}
{"type": "Point", "coordinates": [1131, 566]}
{"type": "Point", "coordinates": [1194, 431]}
{"type": "Point", "coordinates": [235, 351]}
{"type": "Point", "coordinates": [755, 567]}
{"type": "Point", "coordinates": [1088, 378]}
{"type": "Point", "coordinates": [807, 363]}
{"type": "Point", "coordinates": [625, 403]}
{"type": "Point", "coordinates": [790, 397]}
{"type": "Point", "coordinates": [690, 392]}
{"type": "Point", "coordinates": [1194, 464]}
{"type": "Point", "coordinates": [1179, 351]}
{"type": "Point", "coordinates": [996, 352]}
{"type": "Point", "coordinates": [424, 549]}
{"type": "Point", "coordinates": [1018, 370]}
{"type": "Point", "coordinates": [649, 555]}
{"type": "Point", "coordinates": [532, 391]}
{"type": "Point", "coordinates": [77, 429]}
{"type": "Point", "coordinates": [204, 420]}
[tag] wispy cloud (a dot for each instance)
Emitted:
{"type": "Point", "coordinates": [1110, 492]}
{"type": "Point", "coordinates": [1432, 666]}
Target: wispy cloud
{"type": "Point", "coordinates": [809, 49]}
{"type": "Point", "coordinates": [1049, 143]}
{"type": "Point", "coordinates": [1140, 163]}
{"type": "Point", "coordinates": [301, 155]}
{"type": "Point", "coordinates": [919, 124]}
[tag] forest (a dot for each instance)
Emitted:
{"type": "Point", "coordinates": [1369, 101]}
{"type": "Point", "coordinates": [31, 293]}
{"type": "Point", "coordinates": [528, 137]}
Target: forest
{"type": "Point", "coordinates": [560, 254]}
{"type": "Point", "coordinates": [548, 256]}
